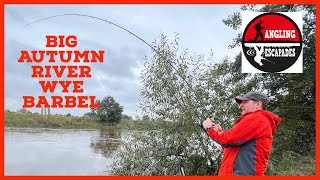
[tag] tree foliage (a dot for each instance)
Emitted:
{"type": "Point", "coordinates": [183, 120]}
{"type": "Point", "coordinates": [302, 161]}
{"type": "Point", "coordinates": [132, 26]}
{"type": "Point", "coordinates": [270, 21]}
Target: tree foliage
{"type": "Point", "coordinates": [184, 89]}
{"type": "Point", "coordinates": [126, 117]}
{"type": "Point", "coordinates": [110, 111]}
{"type": "Point", "coordinates": [293, 95]}
{"type": "Point", "coordinates": [24, 111]}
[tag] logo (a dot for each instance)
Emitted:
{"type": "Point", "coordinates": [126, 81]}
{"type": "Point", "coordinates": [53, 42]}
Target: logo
{"type": "Point", "coordinates": [272, 42]}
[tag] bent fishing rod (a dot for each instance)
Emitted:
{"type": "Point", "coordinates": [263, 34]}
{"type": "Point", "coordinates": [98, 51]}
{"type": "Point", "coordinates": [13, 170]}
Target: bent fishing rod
{"type": "Point", "coordinates": [208, 114]}
{"type": "Point", "coordinates": [153, 48]}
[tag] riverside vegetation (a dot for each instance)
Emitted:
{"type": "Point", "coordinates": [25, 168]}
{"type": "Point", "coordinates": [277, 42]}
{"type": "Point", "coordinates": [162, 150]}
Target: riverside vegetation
{"type": "Point", "coordinates": [26, 119]}
{"type": "Point", "coordinates": [169, 138]}
{"type": "Point", "coordinates": [290, 164]}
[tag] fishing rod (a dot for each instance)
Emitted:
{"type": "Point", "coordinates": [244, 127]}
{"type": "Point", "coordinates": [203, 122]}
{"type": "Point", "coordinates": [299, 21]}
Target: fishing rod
{"type": "Point", "coordinates": [153, 48]}
{"type": "Point", "coordinates": [266, 26]}
{"type": "Point", "coordinates": [161, 56]}
{"type": "Point", "coordinates": [269, 60]}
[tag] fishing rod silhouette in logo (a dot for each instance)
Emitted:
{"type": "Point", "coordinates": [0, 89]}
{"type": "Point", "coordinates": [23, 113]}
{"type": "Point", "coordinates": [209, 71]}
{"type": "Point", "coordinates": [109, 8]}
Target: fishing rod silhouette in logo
{"type": "Point", "coordinates": [258, 55]}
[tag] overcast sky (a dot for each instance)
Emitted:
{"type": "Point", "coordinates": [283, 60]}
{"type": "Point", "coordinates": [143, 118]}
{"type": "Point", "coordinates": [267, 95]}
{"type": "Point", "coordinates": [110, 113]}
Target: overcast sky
{"type": "Point", "coordinates": [200, 29]}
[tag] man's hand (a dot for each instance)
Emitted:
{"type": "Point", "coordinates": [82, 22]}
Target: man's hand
{"type": "Point", "coordinates": [208, 123]}
{"type": "Point", "coordinates": [217, 128]}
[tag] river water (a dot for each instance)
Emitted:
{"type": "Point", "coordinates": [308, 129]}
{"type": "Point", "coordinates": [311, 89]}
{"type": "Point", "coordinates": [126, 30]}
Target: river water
{"type": "Point", "coordinates": [41, 151]}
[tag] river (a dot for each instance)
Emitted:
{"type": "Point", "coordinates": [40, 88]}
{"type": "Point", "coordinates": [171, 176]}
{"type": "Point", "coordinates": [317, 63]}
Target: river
{"type": "Point", "coordinates": [41, 151]}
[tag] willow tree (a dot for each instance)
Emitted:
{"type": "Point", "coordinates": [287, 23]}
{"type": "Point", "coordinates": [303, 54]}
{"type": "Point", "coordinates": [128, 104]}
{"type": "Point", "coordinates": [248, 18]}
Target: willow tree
{"type": "Point", "coordinates": [184, 89]}
{"type": "Point", "coordinates": [181, 90]}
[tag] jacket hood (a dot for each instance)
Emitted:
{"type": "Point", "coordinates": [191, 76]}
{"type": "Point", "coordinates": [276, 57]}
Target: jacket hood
{"type": "Point", "coordinates": [273, 119]}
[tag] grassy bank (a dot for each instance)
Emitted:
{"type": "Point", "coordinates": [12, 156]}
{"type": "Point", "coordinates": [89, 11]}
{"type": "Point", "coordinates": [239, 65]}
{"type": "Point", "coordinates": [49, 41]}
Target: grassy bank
{"type": "Point", "coordinates": [29, 120]}
{"type": "Point", "coordinates": [34, 120]}
{"type": "Point", "coordinates": [293, 164]}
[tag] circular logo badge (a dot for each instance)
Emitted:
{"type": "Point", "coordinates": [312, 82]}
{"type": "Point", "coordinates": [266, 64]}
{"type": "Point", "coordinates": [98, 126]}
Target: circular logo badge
{"type": "Point", "coordinates": [272, 42]}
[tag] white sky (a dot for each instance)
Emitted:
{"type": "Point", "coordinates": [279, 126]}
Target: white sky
{"type": "Point", "coordinates": [200, 29]}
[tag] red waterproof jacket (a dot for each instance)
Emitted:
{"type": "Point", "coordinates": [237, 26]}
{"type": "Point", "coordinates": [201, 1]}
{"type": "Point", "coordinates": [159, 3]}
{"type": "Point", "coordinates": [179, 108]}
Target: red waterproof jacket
{"type": "Point", "coordinates": [247, 145]}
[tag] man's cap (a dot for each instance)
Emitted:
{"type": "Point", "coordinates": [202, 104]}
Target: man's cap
{"type": "Point", "coordinates": [253, 95]}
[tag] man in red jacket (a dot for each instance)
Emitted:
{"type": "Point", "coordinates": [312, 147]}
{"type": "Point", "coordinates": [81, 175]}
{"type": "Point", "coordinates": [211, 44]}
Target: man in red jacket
{"type": "Point", "coordinates": [247, 145]}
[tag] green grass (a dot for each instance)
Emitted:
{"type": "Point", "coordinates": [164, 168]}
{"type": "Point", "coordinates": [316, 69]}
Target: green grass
{"type": "Point", "coordinates": [293, 164]}
{"type": "Point", "coordinates": [29, 120]}
{"type": "Point", "coordinates": [34, 120]}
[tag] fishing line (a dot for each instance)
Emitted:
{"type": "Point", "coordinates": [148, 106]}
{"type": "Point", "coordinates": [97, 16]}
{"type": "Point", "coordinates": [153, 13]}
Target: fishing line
{"type": "Point", "coordinates": [208, 114]}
